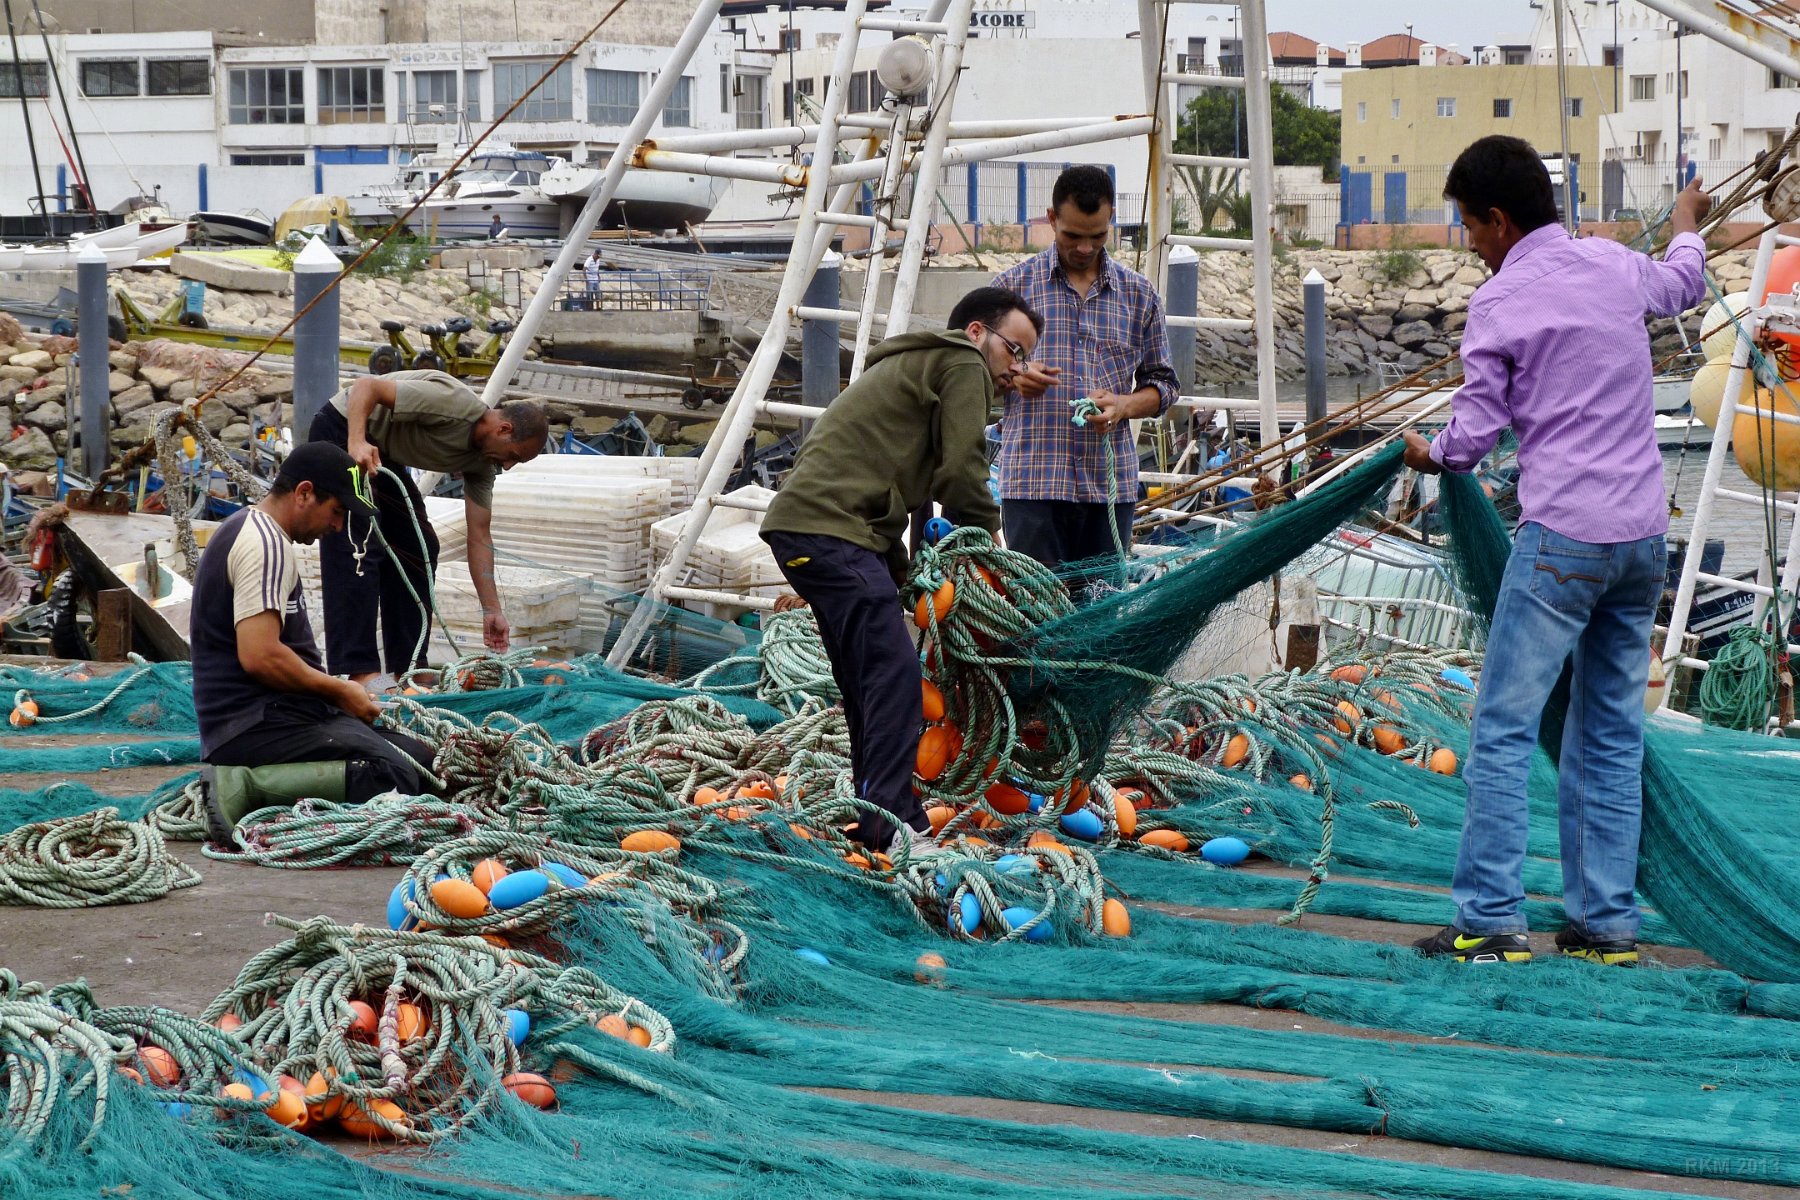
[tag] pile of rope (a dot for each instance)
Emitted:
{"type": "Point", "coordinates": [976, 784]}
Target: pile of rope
{"type": "Point", "coordinates": [411, 1035]}
{"type": "Point", "coordinates": [84, 861]}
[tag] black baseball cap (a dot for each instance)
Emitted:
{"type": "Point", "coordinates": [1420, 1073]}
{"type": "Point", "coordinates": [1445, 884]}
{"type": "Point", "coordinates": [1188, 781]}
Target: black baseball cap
{"type": "Point", "coordinates": [332, 472]}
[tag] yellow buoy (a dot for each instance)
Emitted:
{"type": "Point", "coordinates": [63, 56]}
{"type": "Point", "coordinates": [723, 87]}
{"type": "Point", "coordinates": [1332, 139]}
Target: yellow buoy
{"type": "Point", "coordinates": [1718, 334]}
{"type": "Point", "coordinates": [1768, 450]}
{"type": "Point", "coordinates": [1706, 390]}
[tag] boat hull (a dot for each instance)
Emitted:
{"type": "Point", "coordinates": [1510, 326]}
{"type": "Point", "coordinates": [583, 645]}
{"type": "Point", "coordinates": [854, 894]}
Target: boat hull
{"type": "Point", "coordinates": [466, 220]}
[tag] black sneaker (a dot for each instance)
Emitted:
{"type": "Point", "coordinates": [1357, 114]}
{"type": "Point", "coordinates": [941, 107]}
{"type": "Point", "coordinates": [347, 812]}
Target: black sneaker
{"type": "Point", "coordinates": [1451, 942]}
{"type": "Point", "coordinates": [1573, 944]}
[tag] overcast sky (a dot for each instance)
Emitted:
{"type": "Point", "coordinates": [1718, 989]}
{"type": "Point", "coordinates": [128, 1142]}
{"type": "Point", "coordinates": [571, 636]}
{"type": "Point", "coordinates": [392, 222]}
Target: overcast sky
{"type": "Point", "coordinates": [1442, 21]}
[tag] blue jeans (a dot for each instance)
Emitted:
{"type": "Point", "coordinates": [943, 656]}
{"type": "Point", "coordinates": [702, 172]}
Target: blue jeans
{"type": "Point", "coordinates": [1562, 599]}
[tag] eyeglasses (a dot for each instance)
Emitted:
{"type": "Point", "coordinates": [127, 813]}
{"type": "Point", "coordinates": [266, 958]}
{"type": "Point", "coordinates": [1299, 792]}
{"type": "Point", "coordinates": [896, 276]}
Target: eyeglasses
{"type": "Point", "coordinates": [1020, 355]}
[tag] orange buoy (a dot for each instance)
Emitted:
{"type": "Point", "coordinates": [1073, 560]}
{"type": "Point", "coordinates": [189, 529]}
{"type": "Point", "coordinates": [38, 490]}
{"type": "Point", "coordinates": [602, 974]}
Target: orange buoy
{"type": "Point", "coordinates": [1236, 750]}
{"type": "Point", "coordinates": [1007, 800]}
{"type": "Point", "coordinates": [800, 831]}
{"type": "Point", "coordinates": [1352, 673]}
{"type": "Point", "coordinates": [939, 815]}
{"type": "Point", "coordinates": [1349, 716]}
{"type": "Point", "coordinates": [739, 812]}
{"type": "Point", "coordinates": [496, 941]}
{"type": "Point", "coordinates": [882, 861]}
{"type": "Point", "coordinates": [362, 1021]}
{"type": "Point", "coordinates": [1382, 698]}
{"type": "Point", "coordinates": [857, 861]}
{"type": "Point", "coordinates": [357, 1122]}
{"type": "Point", "coordinates": [131, 1074]}
{"type": "Point", "coordinates": [237, 1091]}
{"type": "Point", "coordinates": [929, 969]}
{"type": "Point", "coordinates": [1076, 793]}
{"type": "Point", "coordinates": [288, 1108]}
{"type": "Point", "coordinates": [1166, 839]}
{"type": "Point", "coordinates": [992, 580]}
{"type": "Point", "coordinates": [706, 795]}
{"type": "Point", "coordinates": [409, 1022]}
{"type": "Point", "coordinates": [933, 699]}
{"type": "Point", "coordinates": [325, 1103]}
{"type": "Point", "coordinates": [534, 1090]}
{"type": "Point", "coordinates": [1301, 782]}
{"type": "Point", "coordinates": [24, 713]}
{"type": "Point", "coordinates": [937, 604]}
{"type": "Point", "coordinates": [1125, 813]}
{"type": "Point", "coordinates": [780, 785]}
{"type": "Point", "coordinates": [160, 1067]}
{"type": "Point", "coordinates": [1389, 740]}
{"type": "Point", "coordinates": [937, 746]}
{"type": "Point", "coordinates": [487, 873]}
{"type": "Point", "coordinates": [1115, 919]}
{"type": "Point", "coordinates": [1443, 761]}
{"type": "Point", "coordinates": [638, 1036]}
{"type": "Point", "coordinates": [459, 898]}
{"type": "Point", "coordinates": [613, 1025]}
{"type": "Point", "coordinates": [229, 1021]}
{"type": "Point", "coordinates": [649, 841]}
{"type": "Point", "coordinates": [1044, 840]}
{"type": "Point", "coordinates": [760, 789]}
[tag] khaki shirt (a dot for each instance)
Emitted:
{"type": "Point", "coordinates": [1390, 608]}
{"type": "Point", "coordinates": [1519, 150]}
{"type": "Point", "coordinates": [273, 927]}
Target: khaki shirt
{"type": "Point", "coordinates": [430, 427]}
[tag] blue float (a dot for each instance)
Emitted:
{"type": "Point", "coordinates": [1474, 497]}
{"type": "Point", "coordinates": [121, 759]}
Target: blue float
{"type": "Point", "coordinates": [399, 917]}
{"type": "Point", "coordinates": [1084, 824]}
{"type": "Point", "coordinates": [1015, 917]}
{"type": "Point", "coordinates": [567, 876]}
{"type": "Point", "coordinates": [965, 914]}
{"type": "Point", "coordinates": [1457, 678]}
{"type": "Point", "coordinates": [521, 887]}
{"type": "Point", "coordinates": [936, 530]}
{"type": "Point", "coordinates": [518, 1025]}
{"type": "Point", "coordinates": [812, 956]}
{"type": "Point", "coordinates": [1225, 851]}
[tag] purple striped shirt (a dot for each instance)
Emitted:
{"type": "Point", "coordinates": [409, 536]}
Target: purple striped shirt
{"type": "Point", "coordinates": [1556, 348]}
{"type": "Point", "coordinates": [1113, 338]}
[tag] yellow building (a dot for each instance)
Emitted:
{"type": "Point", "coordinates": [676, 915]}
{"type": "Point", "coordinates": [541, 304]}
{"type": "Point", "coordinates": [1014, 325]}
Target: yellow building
{"type": "Point", "coordinates": [1416, 120]}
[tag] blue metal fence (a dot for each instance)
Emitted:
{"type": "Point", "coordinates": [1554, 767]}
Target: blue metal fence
{"type": "Point", "coordinates": [679, 289]}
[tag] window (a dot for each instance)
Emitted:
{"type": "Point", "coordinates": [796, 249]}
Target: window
{"type": "Point", "coordinates": [109, 77]}
{"type": "Point", "coordinates": [352, 95]}
{"type": "Point", "coordinates": [1715, 148]}
{"type": "Point", "coordinates": [1574, 106]}
{"type": "Point", "coordinates": [612, 97]}
{"type": "Point", "coordinates": [1393, 110]}
{"type": "Point", "coordinates": [1513, 58]}
{"type": "Point", "coordinates": [1668, 81]}
{"type": "Point", "coordinates": [428, 96]}
{"type": "Point", "coordinates": [724, 87]}
{"type": "Point", "coordinates": [1502, 110]}
{"type": "Point", "coordinates": [790, 39]}
{"type": "Point", "coordinates": [1778, 80]}
{"type": "Point", "coordinates": [266, 96]}
{"type": "Point", "coordinates": [178, 76]}
{"type": "Point", "coordinates": [1446, 106]}
{"type": "Point", "coordinates": [679, 111]}
{"type": "Point", "coordinates": [1362, 110]}
{"type": "Point", "coordinates": [1395, 159]}
{"type": "Point", "coordinates": [472, 95]}
{"type": "Point", "coordinates": [1684, 93]}
{"type": "Point", "coordinates": [35, 78]}
{"type": "Point", "coordinates": [276, 158]}
{"type": "Point", "coordinates": [1610, 56]}
{"type": "Point", "coordinates": [552, 100]}
{"type": "Point", "coordinates": [1361, 159]}
{"type": "Point", "coordinates": [1643, 87]}
{"type": "Point", "coordinates": [859, 93]}
{"type": "Point", "coordinates": [802, 86]}
{"type": "Point", "coordinates": [753, 101]}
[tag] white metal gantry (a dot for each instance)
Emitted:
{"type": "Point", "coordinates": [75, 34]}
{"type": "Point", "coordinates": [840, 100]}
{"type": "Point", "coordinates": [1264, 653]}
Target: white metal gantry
{"type": "Point", "coordinates": [901, 151]}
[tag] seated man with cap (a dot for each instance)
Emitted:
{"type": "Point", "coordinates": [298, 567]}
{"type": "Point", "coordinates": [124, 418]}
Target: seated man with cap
{"type": "Point", "coordinates": [274, 727]}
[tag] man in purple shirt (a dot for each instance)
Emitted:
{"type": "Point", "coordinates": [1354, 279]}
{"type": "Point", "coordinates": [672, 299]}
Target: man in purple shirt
{"type": "Point", "coordinates": [1556, 349]}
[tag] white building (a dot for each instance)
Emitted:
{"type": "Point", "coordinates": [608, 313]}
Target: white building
{"type": "Point", "coordinates": [225, 127]}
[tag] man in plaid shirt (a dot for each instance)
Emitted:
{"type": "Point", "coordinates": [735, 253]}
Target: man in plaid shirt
{"type": "Point", "coordinates": [1068, 490]}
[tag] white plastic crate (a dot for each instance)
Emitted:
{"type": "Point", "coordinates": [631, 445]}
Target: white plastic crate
{"type": "Point", "coordinates": [532, 598]}
{"type": "Point", "coordinates": [682, 473]}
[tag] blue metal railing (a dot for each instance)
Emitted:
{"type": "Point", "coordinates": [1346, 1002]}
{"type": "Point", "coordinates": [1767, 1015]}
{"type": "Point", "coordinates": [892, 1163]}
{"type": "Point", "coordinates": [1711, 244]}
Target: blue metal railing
{"type": "Point", "coordinates": [672, 290]}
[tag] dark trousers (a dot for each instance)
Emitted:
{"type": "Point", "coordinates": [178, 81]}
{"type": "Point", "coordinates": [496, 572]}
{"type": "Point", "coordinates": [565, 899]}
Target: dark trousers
{"type": "Point", "coordinates": [876, 667]}
{"type": "Point", "coordinates": [356, 593]}
{"type": "Point", "coordinates": [304, 729]}
{"type": "Point", "coordinates": [1063, 533]}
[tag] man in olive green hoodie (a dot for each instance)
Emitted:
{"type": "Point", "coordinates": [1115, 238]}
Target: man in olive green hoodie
{"type": "Point", "coordinates": [912, 429]}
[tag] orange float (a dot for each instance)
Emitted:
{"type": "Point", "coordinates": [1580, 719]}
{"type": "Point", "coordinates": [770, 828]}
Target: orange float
{"type": "Point", "coordinates": [939, 815]}
{"type": "Point", "coordinates": [1007, 800]}
{"type": "Point", "coordinates": [1236, 750]}
{"type": "Point", "coordinates": [459, 898]}
{"type": "Point", "coordinates": [929, 969]}
{"type": "Point", "coordinates": [229, 1022]}
{"type": "Point", "coordinates": [706, 795]}
{"type": "Point", "coordinates": [160, 1067]}
{"type": "Point", "coordinates": [362, 1021]}
{"type": "Point", "coordinates": [1352, 673]}
{"type": "Point", "coordinates": [937, 746]}
{"type": "Point", "coordinates": [1076, 793]}
{"type": "Point", "coordinates": [613, 1025]}
{"type": "Point", "coordinates": [325, 1103]}
{"type": "Point", "coordinates": [1165, 839]}
{"type": "Point", "coordinates": [638, 1036]}
{"type": "Point", "coordinates": [1443, 759]}
{"type": "Point", "coordinates": [1784, 274]}
{"type": "Point", "coordinates": [649, 841]}
{"type": "Point", "coordinates": [934, 700]}
{"type": "Point", "coordinates": [409, 1022]}
{"type": "Point", "coordinates": [937, 605]}
{"type": "Point", "coordinates": [1301, 782]}
{"type": "Point", "coordinates": [1115, 919]}
{"type": "Point", "coordinates": [1349, 716]}
{"type": "Point", "coordinates": [1389, 740]}
{"type": "Point", "coordinates": [288, 1108]}
{"type": "Point", "coordinates": [1125, 813]}
{"type": "Point", "coordinates": [487, 873]}
{"type": "Point", "coordinates": [534, 1090]}
{"type": "Point", "coordinates": [357, 1122]}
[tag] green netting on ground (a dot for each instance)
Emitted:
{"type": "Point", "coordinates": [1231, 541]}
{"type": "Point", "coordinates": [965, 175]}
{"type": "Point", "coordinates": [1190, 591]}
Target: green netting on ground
{"type": "Point", "coordinates": [1656, 1069]}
